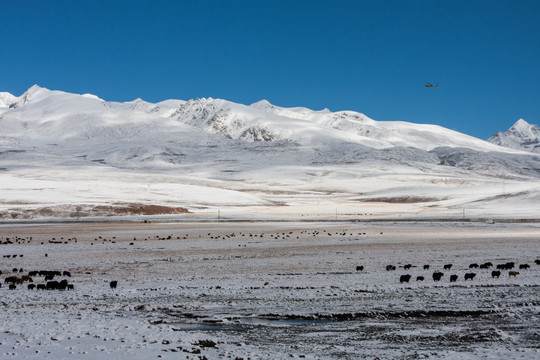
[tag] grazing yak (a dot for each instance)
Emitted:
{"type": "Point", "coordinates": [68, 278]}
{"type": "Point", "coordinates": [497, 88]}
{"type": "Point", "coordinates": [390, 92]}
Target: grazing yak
{"type": "Point", "coordinates": [408, 266]}
{"type": "Point", "coordinates": [506, 266]}
{"type": "Point", "coordinates": [404, 278]}
{"type": "Point", "coordinates": [524, 266]}
{"type": "Point", "coordinates": [52, 285]}
{"type": "Point", "coordinates": [437, 276]}
{"type": "Point", "coordinates": [113, 284]}
{"type": "Point", "coordinates": [390, 267]}
{"type": "Point", "coordinates": [419, 278]}
{"type": "Point", "coordinates": [453, 278]}
{"type": "Point", "coordinates": [62, 285]}
{"type": "Point", "coordinates": [426, 267]}
{"type": "Point", "coordinates": [13, 280]}
{"type": "Point", "coordinates": [447, 266]}
{"type": "Point", "coordinates": [473, 266]}
{"type": "Point", "coordinates": [360, 268]}
{"type": "Point", "coordinates": [513, 273]}
{"type": "Point", "coordinates": [537, 261]}
{"type": "Point", "coordinates": [469, 276]}
{"type": "Point", "coordinates": [495, 273]}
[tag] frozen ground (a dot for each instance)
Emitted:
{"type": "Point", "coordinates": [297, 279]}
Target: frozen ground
{"type": "Point", "coordinates": [270, 291]}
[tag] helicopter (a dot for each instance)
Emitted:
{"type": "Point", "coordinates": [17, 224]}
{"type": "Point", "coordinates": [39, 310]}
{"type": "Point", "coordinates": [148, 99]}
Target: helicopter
{"type": "Point", "coordinates": [431, 85]}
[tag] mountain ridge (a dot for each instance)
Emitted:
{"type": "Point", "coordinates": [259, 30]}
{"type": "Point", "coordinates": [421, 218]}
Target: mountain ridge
{"type": "Point", "coordinates": [348, 121]}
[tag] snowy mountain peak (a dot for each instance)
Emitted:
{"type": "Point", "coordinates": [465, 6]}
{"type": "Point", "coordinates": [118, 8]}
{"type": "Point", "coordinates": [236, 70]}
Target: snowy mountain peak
{"type": "Point", "coordinates": [34, 93]}
{"type": "Point", "coordinates": [521, 136]}
{"type": "Point", "coordinates": [140, 105]}
{"type": "Point", "coordinates": [6, 99]}
{"type": "Point", "coordinates": [262, 105]}
{"type": "Point", "coordinates": [35, 88]}
{"type": "Point", "coordinates": [265, 105]}
{"type": "Point", "coordinates": [522, 126]}
{"type": "Point", "coordinates": [91, 96]}
{"type": "Point", "coordinates": [136, 101]}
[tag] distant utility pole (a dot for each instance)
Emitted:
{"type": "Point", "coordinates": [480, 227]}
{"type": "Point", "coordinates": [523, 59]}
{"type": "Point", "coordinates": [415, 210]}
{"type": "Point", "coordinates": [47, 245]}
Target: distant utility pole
{"type": "Point", "coordinates": [219, 214]}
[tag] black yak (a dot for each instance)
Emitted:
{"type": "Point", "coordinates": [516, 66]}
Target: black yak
{"type": "Point", "coordinates": [469, 276]}
{"type": "Point", "coordinates": [437, 276]}
{"type": "Point", "coordinates": [404, 278]}
{"type": "Point", "coordinates": [52, 285]}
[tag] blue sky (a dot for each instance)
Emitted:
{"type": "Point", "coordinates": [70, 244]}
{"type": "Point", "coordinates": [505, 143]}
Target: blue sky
{"type": "Point", "coordinates": [373, 57]}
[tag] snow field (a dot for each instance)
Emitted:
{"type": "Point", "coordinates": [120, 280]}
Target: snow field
{"type": "Point", "coordinates": [222, 290]}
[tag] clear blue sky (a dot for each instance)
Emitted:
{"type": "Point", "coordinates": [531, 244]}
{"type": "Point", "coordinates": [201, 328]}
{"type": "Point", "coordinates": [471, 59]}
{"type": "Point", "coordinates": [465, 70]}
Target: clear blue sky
{"type": "Point", "coordinates": [369, 56]}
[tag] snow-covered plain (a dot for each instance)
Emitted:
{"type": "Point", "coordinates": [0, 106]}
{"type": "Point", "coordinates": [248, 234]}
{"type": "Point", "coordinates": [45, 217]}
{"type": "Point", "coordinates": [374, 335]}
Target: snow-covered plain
{"type": "Point", "coordinates": [218, 290]}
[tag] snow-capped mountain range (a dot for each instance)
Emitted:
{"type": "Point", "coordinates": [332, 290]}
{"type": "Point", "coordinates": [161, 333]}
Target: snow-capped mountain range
{"type": "Point", "coordinates": [64, 151]}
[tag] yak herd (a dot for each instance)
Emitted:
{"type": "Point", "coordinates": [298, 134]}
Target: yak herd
{"type": "Point", "coordinates": [47, 278]}
{"type": "Point", "coordinates": [49, 282]}
{"type": "Point", "coordinates": [438, 275]}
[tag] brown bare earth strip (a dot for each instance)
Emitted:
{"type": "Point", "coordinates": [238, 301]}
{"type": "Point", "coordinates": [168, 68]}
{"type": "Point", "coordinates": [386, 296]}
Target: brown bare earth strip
{"type": "Point", "coordinates": [82, 211]}
{"type": "Point", "coordinates": [403, 199]}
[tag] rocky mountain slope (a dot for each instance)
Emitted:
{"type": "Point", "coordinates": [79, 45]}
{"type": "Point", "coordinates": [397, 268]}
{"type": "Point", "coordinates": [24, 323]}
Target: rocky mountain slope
{"type": "Point", "coordinates": [521, 136]}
